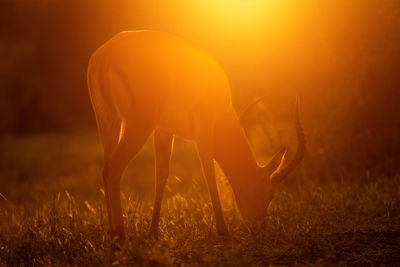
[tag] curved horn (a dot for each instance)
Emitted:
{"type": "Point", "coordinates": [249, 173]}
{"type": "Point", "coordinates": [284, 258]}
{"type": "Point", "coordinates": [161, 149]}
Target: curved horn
{"type": "Point", "coordinates": [247, 109]}
{"type": "Point", "coordinates": [280, 175]}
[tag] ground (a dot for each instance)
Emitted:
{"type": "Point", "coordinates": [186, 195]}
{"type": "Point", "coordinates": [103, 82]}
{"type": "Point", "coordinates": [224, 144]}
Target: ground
{"type": "Point", "coordinates": [53, 213]}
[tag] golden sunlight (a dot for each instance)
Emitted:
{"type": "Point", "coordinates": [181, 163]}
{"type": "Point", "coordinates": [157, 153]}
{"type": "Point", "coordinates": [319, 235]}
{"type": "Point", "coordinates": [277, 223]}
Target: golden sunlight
{"type": "Point", "coordinates": [241, 14]}
{"type": "Point", "coordinates": [199, 132]}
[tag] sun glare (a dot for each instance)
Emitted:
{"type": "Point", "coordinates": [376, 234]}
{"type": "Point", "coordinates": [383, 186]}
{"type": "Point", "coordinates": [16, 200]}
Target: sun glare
{"type": "Point", "coordinates": [237, 10]}
{"type": "Point", "coordinates": [242, 14]}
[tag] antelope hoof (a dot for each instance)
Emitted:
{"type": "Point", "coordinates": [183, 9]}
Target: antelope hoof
{"type": "Point", "coordinates": [117, 243]}
{"type": "Point", "coordinates": [153, 234]}
{"type": "Point", "coordinates": [224, 234]}
{"type": "Point", "coordinates": [117, 238]}
{"type": "Point", "coordinates": [226, 239]}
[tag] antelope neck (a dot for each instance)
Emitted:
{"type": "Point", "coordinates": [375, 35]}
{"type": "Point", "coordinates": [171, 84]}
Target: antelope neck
{"type": "Point", "coordinates": [233, 153]}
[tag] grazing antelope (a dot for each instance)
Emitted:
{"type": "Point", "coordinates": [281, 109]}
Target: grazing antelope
{"type": "Point", "coordinates": [142, 82]}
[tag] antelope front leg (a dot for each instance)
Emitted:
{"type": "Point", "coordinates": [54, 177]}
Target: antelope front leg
{"type": "Point", "coordinates": [205, 149]}
{"type": "Point", "coordinates": [162, 146]}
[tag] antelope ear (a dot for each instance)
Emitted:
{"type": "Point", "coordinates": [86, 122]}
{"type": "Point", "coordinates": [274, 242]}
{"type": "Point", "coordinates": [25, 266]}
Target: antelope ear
{"type": "Point", "coordinates": [276, 162]}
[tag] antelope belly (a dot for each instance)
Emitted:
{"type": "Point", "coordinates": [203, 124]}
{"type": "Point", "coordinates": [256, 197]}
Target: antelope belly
{"type": "Point", "coordinates": [178, 122]}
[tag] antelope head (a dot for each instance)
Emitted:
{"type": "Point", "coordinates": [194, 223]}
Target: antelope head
{"type": "Point", "coordinates": [254, 185]}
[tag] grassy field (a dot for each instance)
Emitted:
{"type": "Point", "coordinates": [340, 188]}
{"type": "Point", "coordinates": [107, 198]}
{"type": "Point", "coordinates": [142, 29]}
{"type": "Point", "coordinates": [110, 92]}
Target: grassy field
{"type": "Point", "coordinates": [53, 213]}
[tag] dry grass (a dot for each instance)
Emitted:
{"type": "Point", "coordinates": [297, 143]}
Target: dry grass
{"type": "Point", "coordinates": [55, 214]}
